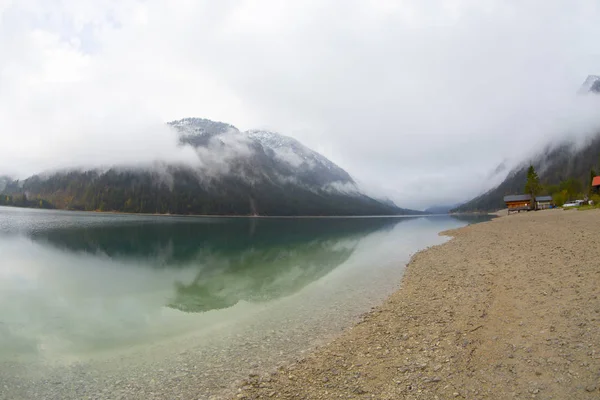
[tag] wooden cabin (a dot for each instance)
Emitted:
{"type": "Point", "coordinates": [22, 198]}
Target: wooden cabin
{"type": "Point", "coordinates": [596, 184]}
{"type": "Point", "coordinates": [543, 202]}
{"type": "Point", "coordinates": [519, 202]}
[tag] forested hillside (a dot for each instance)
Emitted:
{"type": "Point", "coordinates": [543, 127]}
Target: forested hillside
{"type": "Point", "coordinates": [239, 173]}
{"type": "Point", "coordinates": [564, 167]}
{"type": "Point", "coordinates": [140, 191]}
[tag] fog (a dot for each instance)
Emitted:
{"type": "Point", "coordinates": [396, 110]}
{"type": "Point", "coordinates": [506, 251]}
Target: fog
{"type": "Point", "coordinates": [420, 101]}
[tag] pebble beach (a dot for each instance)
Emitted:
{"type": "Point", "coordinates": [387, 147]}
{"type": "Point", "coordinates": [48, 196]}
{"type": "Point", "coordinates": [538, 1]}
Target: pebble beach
{"type": "Point", "coordinates": [507, 309]}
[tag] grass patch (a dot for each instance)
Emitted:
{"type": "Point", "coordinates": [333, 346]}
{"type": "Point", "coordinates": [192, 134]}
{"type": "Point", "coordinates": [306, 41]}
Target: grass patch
{"type": "Point", "coordinates": [587, 207]}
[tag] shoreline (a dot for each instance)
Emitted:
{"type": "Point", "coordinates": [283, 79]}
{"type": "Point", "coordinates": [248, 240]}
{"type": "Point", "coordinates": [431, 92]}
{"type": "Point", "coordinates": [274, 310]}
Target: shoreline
{"type": "Point", "coordinates": [229, 216]}
{"type": "Point", "coordinates": [506, 309]}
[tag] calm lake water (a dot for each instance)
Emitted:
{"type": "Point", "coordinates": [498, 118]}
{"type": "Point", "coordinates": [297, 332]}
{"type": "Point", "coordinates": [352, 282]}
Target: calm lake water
{"type": "Point", "coordinates": [105, 305]}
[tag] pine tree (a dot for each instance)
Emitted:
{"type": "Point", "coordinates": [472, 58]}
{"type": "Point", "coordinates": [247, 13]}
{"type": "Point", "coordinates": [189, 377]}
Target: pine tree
{"type": "Point", "coordinates": [533, 185]}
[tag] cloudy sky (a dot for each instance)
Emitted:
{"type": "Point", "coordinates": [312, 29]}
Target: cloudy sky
{"type": "Point", "coordinates": [418, 99]}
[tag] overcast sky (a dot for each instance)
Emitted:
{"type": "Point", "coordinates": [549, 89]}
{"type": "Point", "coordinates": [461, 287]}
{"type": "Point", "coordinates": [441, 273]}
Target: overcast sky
{"type": "Point", "coordinates": [421, 99]}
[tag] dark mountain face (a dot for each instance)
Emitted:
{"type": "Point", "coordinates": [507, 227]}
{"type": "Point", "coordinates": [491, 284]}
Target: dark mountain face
{"type": "Point", "coordinates": [4, 180]}
{"type": "Point", "coordinates": [242, 173]}
{"type": "Point", "coordinates": [555, 164]}
{"type": "Point", "coordinates": [590, 85]}
{"type": "Point", "coordinates": [493, 199]}
{"type": "Point", "coordinates": [440, 209]}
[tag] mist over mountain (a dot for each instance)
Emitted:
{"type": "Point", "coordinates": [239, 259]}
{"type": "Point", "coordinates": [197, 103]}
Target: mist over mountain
{"type": "Point", "coordinates": [572, 157]}
{"type": "Point", "coordinates": [237, 173]}
{"type": "Point", "coordinates": [554, 165]}
{"type": "Point", "coordinates": [4, 180]}
{"type": "Point", "coordinates": [440, 209]}
{"type": "Point", "coordinates": [267, 154]}
{"type": "Point", "coordinates": [591, 85]}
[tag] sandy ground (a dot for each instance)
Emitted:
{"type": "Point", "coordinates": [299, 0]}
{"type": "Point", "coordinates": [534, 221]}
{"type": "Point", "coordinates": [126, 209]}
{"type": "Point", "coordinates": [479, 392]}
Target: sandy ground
{"type": "Point", "coordinates": [508, 309]}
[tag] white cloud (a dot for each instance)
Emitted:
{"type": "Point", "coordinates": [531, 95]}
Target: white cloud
{"type": "Point", "coordinates": [288, 155]}
{"type": "Point", "coordinates": [415, 97]}
{"type": "Point", "coordinates": [222, 150]}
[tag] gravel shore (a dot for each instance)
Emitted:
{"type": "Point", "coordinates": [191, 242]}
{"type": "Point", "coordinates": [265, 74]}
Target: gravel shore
{"type": "Point", "coordinates": [508, 309]}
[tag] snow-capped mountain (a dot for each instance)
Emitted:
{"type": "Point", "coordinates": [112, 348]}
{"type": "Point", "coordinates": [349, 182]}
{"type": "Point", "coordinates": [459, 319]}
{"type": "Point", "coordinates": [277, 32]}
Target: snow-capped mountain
{"type": "Point", "coordinates": [239, 173]}
{"type": "Point", "coordinates": [271, 155]}
{"type": "Point", "coordinates": [201, 127]}
{"type": "Point", "coordinates": [302, 162]}
{"type": "Point", "coordinates": [291, 150]}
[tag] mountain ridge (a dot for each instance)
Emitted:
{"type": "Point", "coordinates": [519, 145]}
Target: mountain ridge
{"type": "Point", "coordinates": [555, 163]}
{"type": "Point", "coordinates": [240, 173]}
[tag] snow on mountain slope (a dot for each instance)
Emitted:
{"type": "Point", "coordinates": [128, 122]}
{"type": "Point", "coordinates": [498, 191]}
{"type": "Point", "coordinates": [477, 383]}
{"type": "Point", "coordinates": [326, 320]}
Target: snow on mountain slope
{"type": "Point", "coordinates": [200, 131]}
{"type": "Point", "coordinates": [274, 154]}
{"type": "Point", "coordinates": [295, 153]}
{"type": "Point", "coordinates": [201, 126]}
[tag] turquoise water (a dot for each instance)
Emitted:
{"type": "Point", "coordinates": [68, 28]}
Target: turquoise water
{"type": "Point", "coordinates": [78, 287]}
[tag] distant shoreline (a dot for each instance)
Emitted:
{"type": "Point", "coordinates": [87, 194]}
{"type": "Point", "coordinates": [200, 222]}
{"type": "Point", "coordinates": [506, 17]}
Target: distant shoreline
{"type": "Point", "coordinates": [228, 216]}
{"type": "Point", "coordinates": [476, 213]}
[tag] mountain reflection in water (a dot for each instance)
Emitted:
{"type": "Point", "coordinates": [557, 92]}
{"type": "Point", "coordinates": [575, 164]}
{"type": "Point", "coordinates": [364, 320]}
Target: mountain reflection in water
{"type": "Point", "coordinates": [255, 260]}
{"type": "Point", "coordinates": [74, 285]}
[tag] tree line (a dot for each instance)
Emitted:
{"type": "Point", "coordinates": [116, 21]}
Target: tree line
{"type": "Point", "coordinates": [142, 192]}
{"type": "Point", "coordinates": [567, 190]}
{"type": "Point", "coordinates": [21, 200]}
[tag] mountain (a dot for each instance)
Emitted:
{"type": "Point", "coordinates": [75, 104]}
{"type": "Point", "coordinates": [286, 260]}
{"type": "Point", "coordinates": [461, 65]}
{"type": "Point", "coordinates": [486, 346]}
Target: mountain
{"type": "Point", "coordinates": [440, 209]}
{"type": "Point", "coordinates": [238, 173]}
{"type": "Point", "coordinates": [273, 153]}
{"type": "Point", "coordinates": [591, 84]}
{"type": "Point", "coordinates": [4, 180]}
{"type": "Point", "coordinates": [200, 127]}
{"type": "Point", "coordinates": [556, 163]}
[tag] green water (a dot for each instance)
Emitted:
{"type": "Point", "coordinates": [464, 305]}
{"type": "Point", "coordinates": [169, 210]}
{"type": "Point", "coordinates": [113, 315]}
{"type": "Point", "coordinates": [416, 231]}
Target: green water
{"type": "Point", "coordinates": [75, 287]}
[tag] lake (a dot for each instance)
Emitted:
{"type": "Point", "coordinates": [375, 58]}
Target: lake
{"type": "Point", "coordinates": [131, 306]}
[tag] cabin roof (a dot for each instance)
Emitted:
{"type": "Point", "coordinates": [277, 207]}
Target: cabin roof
{"type": "Point", "coordinates": [517, 197]}
{"type": "Point", "coordinates": [543, 198]}
{"type": "Point", "coordinates": [596, 181]}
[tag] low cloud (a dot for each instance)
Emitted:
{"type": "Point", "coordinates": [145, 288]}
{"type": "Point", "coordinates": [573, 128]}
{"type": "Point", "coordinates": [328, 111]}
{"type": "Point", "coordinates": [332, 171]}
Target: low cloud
{"type": "Point", "coordinates": [288, 156]}
{"type": "Point", "coordinates": [221, 152]}
{"type": "Point", "coordinates": [40, 135]}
